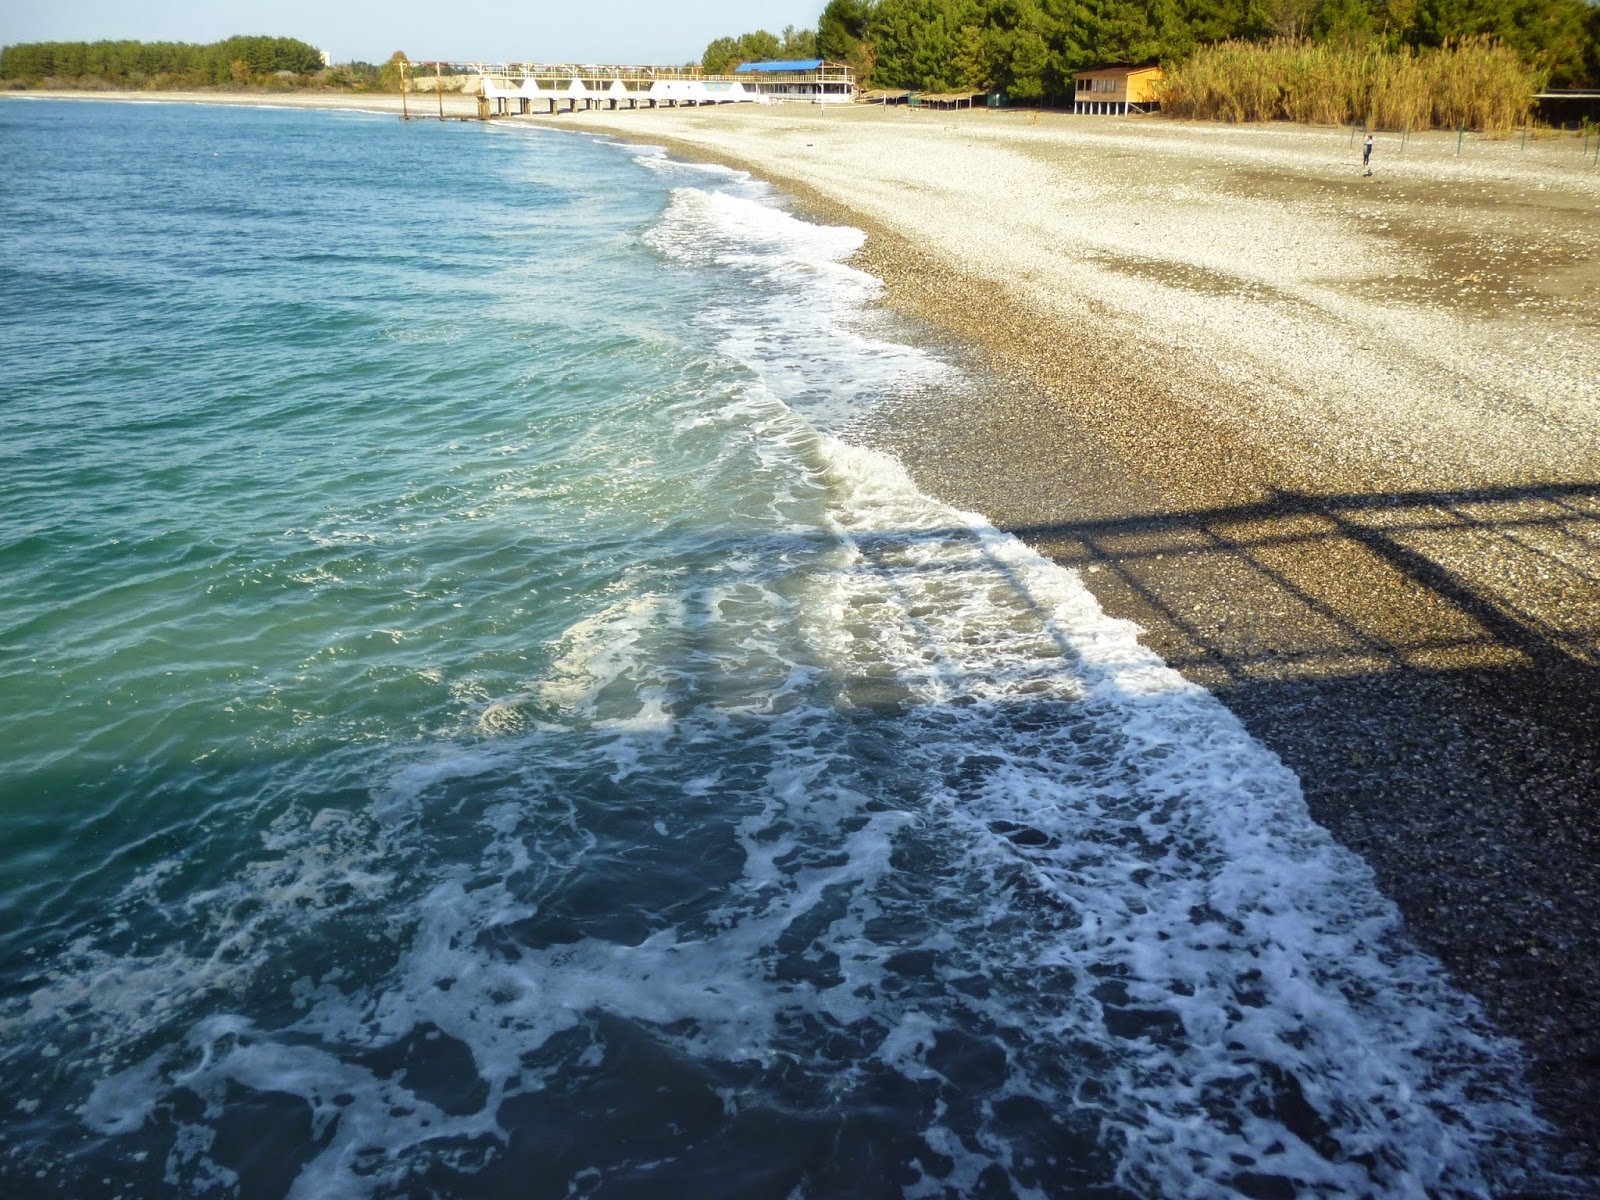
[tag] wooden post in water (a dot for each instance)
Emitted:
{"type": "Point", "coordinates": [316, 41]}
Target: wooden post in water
{"type": "Point", "coordinates": [405, 113]}
{"type": "Point", "coordinates": [438, 81]}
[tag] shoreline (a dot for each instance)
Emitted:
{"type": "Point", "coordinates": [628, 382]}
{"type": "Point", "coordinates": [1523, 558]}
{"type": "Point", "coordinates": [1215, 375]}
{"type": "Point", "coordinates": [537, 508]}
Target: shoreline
{"type": "Point", "coordinates": [1440, 731]}
{"type": "Point", "coordinates": [1294, 435]}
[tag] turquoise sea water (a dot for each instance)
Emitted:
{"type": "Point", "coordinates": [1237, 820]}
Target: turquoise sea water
{"type": "Point", "coordinates": [476, 722]}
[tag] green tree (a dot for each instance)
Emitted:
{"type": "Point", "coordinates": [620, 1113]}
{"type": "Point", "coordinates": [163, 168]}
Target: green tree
{"type": "Point", "coordinates": [720, 55]}
{"type": "Point", "coordinates": [1592, 56]}
{"type": "Point", "coordinates": [136, 63]}
{"type": "Point", "coordinates": [1030, 57]}
{"type": "Point", "coordinates": [726, 53]}
{"type": "Point", "coordinates": [798, 43]}
{"type": "Point", "coordinates": [842, 33]}
{"type": "Point", "coordinates": [1554, 34]}
{"type": "Point", "coordinates": [389, 79]}
{"type": "Point", "coordinates": [973, 65]}
{"type": "Point", "coordinates": [930, 45]}
{"type": "Point", "coordinates": [1344, 21]}
{"type": "Point", "coordinates": [1120, 31]}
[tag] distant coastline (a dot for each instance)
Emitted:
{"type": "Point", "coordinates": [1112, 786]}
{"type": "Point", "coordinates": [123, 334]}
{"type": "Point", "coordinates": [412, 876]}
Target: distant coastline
{"type": "Point", "coordinates": [426, 103]}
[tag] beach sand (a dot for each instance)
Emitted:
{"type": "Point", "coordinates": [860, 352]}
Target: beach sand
{"type": "Point", "coordinates": [1332, 440]}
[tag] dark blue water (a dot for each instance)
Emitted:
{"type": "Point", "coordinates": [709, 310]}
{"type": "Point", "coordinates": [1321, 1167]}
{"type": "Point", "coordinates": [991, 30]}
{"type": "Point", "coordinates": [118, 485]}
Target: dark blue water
{"type": "Point", "coordinates": [475, 724]}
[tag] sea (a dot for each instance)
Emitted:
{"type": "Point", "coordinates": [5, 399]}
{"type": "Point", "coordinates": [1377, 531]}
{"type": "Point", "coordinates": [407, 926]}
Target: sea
{"type": "Point", "coordinates": [480, 719]}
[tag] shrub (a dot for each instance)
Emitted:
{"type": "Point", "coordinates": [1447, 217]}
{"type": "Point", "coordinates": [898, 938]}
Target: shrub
{"type": "Point", "coordinates": [1475, 82]}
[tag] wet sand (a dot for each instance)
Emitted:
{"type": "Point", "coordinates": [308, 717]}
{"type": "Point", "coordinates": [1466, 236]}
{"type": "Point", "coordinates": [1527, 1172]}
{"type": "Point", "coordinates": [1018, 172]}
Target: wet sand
{"type": "Point", "coordinates": [1333, 441]}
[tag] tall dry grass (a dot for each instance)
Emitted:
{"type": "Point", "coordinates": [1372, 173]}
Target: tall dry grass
{"type": "Point", "coordinates": [1477, 83]}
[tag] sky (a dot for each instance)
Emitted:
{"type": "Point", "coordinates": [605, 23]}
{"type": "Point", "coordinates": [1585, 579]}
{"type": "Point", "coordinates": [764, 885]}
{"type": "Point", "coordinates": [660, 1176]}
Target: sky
{"type": "Point", "coordinates": [615, 31]}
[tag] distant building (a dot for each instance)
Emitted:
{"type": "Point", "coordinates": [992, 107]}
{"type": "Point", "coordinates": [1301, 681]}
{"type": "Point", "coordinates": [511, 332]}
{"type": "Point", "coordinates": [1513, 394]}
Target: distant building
{"type": "Point", "coordinates": [1117, 90]}
{"type": "Point", "coordinates": [808, 79]}
{"type": "Point", "coordinates": [327, 59]}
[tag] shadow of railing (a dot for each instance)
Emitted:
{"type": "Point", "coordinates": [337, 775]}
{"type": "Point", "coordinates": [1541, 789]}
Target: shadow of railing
{"type": "Point", "coordinates": [1428, 663]}
{"type": "Point", "coordinates": [1489, 576]}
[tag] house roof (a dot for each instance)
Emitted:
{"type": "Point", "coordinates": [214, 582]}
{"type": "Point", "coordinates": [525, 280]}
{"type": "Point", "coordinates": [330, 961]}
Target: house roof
{"type": "Point", "coordinates": [1120, 69]}
{"type": "Point", "coordinates": [794, 64]}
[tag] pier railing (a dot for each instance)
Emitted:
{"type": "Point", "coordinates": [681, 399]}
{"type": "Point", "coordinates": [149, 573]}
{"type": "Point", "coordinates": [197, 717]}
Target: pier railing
{"type": "Point", "coordinates": [513, 86]}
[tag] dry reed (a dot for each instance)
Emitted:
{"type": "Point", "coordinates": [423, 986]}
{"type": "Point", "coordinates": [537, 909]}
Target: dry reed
{"type": "Point", "coordinates": [1476, 83]}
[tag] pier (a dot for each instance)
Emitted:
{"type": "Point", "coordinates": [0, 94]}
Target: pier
{"type": "Point", "coordinates": [520, 89]}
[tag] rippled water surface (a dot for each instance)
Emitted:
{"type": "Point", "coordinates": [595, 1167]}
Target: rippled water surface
{"type": "Point", "coordinates": [476, 723]}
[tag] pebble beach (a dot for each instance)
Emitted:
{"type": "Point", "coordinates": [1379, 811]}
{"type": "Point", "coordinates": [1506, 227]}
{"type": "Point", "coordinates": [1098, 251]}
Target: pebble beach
{"type": "Point", "coordinates": [1332, 440]}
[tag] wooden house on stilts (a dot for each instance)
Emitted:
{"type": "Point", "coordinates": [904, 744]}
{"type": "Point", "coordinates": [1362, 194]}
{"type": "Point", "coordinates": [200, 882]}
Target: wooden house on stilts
{"type": "Point", "coordinates": [1116, 90]}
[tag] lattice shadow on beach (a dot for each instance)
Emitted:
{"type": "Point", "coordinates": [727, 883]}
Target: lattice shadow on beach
{"type": "Point", "coordinates": [1302, 583]}
{"type": "Point", "coordinates": [1429, 665]}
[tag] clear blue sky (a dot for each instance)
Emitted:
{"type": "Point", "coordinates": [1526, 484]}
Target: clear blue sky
{"type": "Point", "coordinates": [643, 31]}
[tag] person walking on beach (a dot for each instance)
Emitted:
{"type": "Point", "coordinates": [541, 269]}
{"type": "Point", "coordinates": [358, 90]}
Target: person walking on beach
{"type": "Point", "coordinates": [1366, 155]}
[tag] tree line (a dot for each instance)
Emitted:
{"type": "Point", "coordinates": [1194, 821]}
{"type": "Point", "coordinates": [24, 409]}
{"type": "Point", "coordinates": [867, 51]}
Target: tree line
{"type": "Point", "coordinates": [1032, 48]}
{"type": "Point", "coordinates": [234, 60]}
{"type": "Point", "coordinates": [726, 53]}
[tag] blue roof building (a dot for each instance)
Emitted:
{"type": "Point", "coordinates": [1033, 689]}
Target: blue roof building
{"type": "Point", "coordinates": [793, 64]}
{"type": "Point", "coordinates": [809, 79]}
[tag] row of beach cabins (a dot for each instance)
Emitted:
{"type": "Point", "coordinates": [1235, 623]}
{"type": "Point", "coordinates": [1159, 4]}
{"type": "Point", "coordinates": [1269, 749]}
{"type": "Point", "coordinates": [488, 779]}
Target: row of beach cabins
{"type": "Point", "coordinates": [502, 91]}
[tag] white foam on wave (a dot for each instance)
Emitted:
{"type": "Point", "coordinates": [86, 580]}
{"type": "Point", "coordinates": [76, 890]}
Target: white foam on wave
{"type": "Point", "coordinates": [656, 159]}
{"type": "Point", "coordinates": [407, 785]}
{"type": "Point", "coordinates": [971, 621]}
{"type": "Point", "coordinates": [930, 746]}
{"type": "Point", "coordinates": [314, 869]}
{"type": "Point", "coordinates": [730, 229]}
{"type": "Point", "coordinates": [1210, 927]}
{"type": "Point", "coordinates": [800, 318]}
